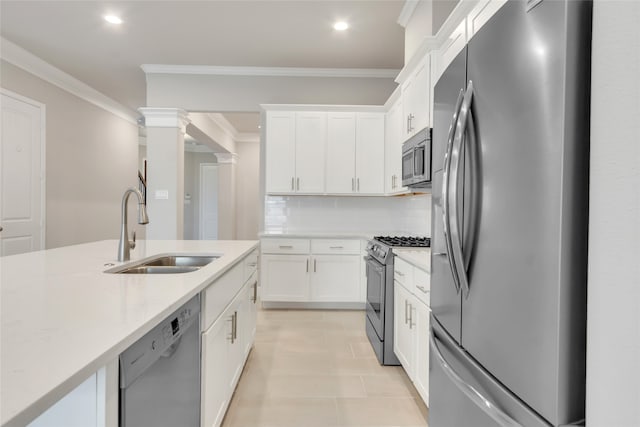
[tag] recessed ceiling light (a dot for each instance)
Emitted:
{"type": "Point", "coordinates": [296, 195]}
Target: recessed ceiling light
{"type": "Point", "coordinates": [340, 26]}
{"type": "Point", "coordinates": [112, 19]}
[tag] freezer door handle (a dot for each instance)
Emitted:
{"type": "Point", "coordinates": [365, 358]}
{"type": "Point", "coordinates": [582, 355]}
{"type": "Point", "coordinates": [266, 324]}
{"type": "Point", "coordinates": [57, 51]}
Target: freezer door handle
{"type": "Point", "coordinates": [471, 392]}
{"type": "Point", "coordinates": [446, 213]}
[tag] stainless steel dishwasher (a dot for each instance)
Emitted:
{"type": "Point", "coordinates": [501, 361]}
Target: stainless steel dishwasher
{"type": "Point", "coordinates": [160, 373]}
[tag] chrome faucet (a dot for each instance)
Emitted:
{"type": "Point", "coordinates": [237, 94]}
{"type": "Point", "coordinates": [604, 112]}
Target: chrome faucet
{"type": "Point", "coordinates": [125, 245]}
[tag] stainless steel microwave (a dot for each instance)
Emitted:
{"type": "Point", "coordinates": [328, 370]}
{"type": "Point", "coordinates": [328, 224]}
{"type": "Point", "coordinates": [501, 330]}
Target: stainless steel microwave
{"type": "Point", "coordinates": [416, 160]}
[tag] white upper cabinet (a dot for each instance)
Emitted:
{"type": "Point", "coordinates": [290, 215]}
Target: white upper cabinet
{"type": "Point", "coordinates": [415, 99]}
{"type": "Point", "coordinates": [311, 136]}
{"type": "Point", "coordinates": [281, 152]}
{"type": "Point", "coordinates": [334, 152]}
{"type": "Point", "coordinates": [341, 152]}
{"type": "Point", "coordinates": [393, 150]}
{"type": "Point", "coordinates": [369, 176]}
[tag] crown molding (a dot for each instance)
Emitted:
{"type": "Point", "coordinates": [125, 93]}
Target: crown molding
{"type": "Point", "coordinates": [407, 11]}
{"type": "Point", "coordinates": [32, 64]}
{"type": "Point", "coordinates": [269, 71]}
{"type": "Point", "coordinates": [455, 18]}
{"type": "Point", "coordinates": [165, 117]}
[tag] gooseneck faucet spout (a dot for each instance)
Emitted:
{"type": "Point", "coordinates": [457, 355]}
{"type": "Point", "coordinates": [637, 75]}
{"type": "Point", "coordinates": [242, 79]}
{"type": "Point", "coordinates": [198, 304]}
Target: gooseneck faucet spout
{"type": "Point", "coordinates": [125, 246]}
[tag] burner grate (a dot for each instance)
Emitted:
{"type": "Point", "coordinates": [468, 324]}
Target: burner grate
{"type": "Point", "coordinates": [421, 242]}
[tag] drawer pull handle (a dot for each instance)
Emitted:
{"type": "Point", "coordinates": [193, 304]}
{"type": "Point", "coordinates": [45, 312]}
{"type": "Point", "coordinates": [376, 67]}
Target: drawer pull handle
{"type": "Point", "coordinates": [399, 273]}
{"type": "Point", "coordinates": [252, 264]}
{"type": "Point", "coordinates": [336, 247]}
{"type": "Point", "coordinates": [423, 289]}
{"type": "Point", "coordinates": [285, 247]}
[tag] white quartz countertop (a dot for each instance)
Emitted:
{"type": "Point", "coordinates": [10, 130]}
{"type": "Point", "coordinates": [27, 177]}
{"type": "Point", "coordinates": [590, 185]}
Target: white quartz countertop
{"type": "Point", "coordinates": [63, 318]}
{"type": "Point", "coordinates": [420, 258]}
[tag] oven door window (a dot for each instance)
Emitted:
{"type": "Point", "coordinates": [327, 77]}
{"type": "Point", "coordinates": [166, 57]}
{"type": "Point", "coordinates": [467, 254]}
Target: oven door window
{"type": "Point", "coordinates": [407, 165]}
{"type": "Point", "coordinates": [418, 161]}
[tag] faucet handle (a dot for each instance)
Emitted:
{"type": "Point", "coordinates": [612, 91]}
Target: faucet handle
{"type": "Point", "coordinates": [132, 244]}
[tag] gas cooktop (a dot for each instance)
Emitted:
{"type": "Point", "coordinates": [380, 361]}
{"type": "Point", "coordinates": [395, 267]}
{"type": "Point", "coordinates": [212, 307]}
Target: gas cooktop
{"type": "Point", "coordinates": [412, 242]}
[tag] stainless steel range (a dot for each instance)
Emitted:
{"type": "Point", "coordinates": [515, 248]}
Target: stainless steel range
{"type": "Point", "coordinates": [379, 262]}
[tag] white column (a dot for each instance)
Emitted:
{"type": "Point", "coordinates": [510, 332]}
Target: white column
{"type": "Point", "coordinates": [165, 172]}
{"type": "Point", "coordinates": [227, 195]}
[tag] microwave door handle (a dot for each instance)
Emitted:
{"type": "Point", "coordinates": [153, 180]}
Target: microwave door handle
{"type": "Point", "coordinates": [446, 214]}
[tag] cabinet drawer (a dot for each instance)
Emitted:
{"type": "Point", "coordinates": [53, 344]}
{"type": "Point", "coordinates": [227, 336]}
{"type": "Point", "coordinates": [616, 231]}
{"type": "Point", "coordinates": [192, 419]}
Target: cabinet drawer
{"type": "Point", "coordinates": [335, 246]}
{"type": "Point", "coordinates": [219, 293]}
{"type": "Point", "coordinates": [403, 272]}
{"type": "Point", "coordinates": [422, 282]}
{"type": "Point", "coordinates": [285, 246]}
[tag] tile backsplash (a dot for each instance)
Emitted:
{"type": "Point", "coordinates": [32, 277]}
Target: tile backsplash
{"type": "Point", "coordinates": [384, 215]}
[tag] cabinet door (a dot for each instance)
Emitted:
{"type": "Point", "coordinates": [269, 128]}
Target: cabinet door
{"type": "Point", "coordinates": [238, 310]}
{"type": "Point", "coordinates": [311, 140]}
{"type": "Point", "coordinates": [415, 99]}
{"type": "Point", "coordinates": [285, 277]}
{"type": "Point", "coordinates": [370, 153]}
{"type": "Point", "coordinates": [403, 329]}
{"type": "Point", "coordinates": [393, 150]}
{"type": "Point", "coordinates": [249, 314]}
{"type": "Point", "coordinates": [215, 370]}
{"type": "Point", "coordinates": [421, 379]}
{"type": "Point", "coordinates": [280, 152]}
{"type": "Point", "coordinates": [335, 278]}
{"type": "Point", "coordinates": [420, 95]}
{"type": "Point", "coordinates": [341, 153]}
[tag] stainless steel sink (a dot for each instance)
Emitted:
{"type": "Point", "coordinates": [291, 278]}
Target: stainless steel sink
{"type": "Point", "coordinates": [149, 269]}
{"type": "Point", "coordinates": [166, 264]}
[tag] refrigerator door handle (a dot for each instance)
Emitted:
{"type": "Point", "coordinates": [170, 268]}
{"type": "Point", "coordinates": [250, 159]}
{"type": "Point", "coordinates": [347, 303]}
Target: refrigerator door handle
{"type": "Point", "coordinates": [498, 415]}
{"type": "Point", "coordinates": [456, 221]}
{"type": "Point", "coordinates": [446, 214]}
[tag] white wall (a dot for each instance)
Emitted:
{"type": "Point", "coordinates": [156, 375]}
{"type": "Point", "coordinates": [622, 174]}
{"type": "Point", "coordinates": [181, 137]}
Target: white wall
{"type": "Point", "coordinates": [248, 203]}
{"type": "Point", "coordinates": [91, 159]}
{"type": "Point", "coordinates": [613, 322]}
{"type": "Point", "coordinates": [378, 215]}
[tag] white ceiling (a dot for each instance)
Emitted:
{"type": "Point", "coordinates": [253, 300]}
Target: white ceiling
{"type": "Point", "coordinates": [72, 36]}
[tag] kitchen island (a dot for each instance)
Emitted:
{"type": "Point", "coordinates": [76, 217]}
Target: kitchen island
{"type": "Point", "coordinates": [63, 318]}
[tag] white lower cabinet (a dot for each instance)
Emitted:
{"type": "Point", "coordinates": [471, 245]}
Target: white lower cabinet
{"type": "Point", "coordinates": [411, 324]}
{"type": "Point", "coordinates": [285, 277]}
{"type": "Point", "coordinates": [215, 364]}
{"type": "Point", "coordinates": [421, 371]}
{"type": "Point", "coordinates": [225, 346]}
{"type": "Point", "coordinates": [335, 278]}
{"type": "Point", "coordinates": [403, 329]}
{"type": "Point", "coordinates": [311, 271]}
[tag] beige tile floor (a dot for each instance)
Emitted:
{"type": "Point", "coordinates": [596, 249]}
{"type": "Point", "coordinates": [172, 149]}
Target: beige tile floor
{"type": "Point", "coordinates": [316, 368]}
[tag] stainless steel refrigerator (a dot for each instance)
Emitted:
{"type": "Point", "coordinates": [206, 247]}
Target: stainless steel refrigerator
{"type": "Point", "coordinates": [509, 221]}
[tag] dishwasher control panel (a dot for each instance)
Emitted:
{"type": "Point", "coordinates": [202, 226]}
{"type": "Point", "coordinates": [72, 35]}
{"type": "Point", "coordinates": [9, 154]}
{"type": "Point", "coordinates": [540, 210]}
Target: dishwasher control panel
{"type": "Point", "coordinates": [158, 342]}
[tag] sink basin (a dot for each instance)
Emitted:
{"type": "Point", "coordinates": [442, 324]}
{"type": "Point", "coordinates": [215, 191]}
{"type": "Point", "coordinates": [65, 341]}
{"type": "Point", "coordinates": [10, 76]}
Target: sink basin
{"type": "Point", "coordinates": [181, 261]}
{"type": "Point", "coordinates": [166, 264]}
{"type": "Point", "coordinates": [149, 269]}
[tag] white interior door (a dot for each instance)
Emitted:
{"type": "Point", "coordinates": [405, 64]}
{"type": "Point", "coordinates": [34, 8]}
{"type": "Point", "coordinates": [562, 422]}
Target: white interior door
{"type": "Point", "coordinates": [208, 201]}
{"type": "Point", "coordinates": [22, 187]}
